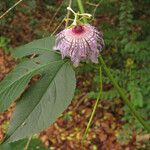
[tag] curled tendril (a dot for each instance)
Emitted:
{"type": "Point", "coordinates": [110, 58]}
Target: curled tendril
{"type": "Point", "coordinates": [78, 17]}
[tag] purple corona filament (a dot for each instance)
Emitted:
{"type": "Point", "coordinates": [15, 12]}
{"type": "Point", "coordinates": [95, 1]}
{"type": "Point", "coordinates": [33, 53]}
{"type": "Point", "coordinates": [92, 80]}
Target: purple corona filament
{"type": "Point", "coordinates": [81, 42]}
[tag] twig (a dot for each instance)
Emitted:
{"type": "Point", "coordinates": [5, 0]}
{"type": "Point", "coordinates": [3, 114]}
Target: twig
{"type": "Point", "coordinates": [145, 137]}
{"type": "Point", "coordinates": [68, 13]}
{"type": "Point", "coordinates": [28, 142]}
{"type": "Point", "coordinates": [33, 56]}
{"type": "Point", "coordinates": [58, 27]}
{"type": "Point", "coordinates": [51, 21]}
{"type": "Point", "coordinates": [91, 4]}
{"type": "Point", "coordinates": [5, 13]}
{"type": "Point", "coordinates": [80, 101]}
{"type": "Point", "coordinates": [95, 5]}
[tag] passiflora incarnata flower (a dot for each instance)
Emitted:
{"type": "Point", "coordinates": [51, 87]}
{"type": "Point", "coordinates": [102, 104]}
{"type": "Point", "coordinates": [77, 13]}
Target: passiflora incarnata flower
{"type": "Point", "coordinates": [80, 42]}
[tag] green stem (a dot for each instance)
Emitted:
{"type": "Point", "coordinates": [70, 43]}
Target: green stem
{"type": "Point", "coordinates": [81, 8]}
{"type": "Point", "coordinates": [124, 97]}
{"type": "Point", "coordinates": [120, 91]}
{"type": "Point", "coordinates": [95, 106]}
{"type": "Point", "coordinates": [28, 142]}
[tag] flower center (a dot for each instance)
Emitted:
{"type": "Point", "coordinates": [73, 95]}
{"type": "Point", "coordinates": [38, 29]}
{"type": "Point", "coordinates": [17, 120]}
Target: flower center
{"type": "Point", "coordinates": [78, 29]}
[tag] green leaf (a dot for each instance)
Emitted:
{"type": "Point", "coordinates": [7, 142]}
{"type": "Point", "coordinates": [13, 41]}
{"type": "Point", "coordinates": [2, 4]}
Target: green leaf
{"type": "Point", "coordinates": [136, 95]}
{"type": "Point", "coordinates": [35, 47]}
{"type": "Point", "coordinates": [43, 102]}
{"type": "Point", "coordinates": [131, 48]}
{"type": "Point", "coordinates": [8, 95]}
{"type": "Point", "coordinates": [15, 82]}
{"type": "Point", "coordinates": [20, 145]}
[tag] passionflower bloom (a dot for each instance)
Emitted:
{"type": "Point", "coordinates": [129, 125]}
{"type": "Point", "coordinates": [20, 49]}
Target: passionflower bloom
{"type": "Point", "coordinates": [81, 42]}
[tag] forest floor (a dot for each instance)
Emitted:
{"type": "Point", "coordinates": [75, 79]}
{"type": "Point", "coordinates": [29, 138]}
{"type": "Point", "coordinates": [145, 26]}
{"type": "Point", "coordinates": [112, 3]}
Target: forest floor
{"type": "Point", "coordinates": [67, 132]}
